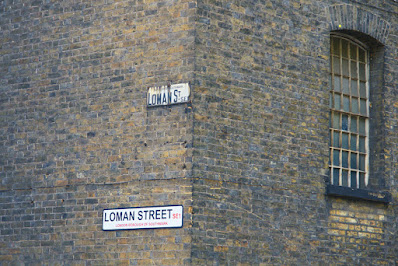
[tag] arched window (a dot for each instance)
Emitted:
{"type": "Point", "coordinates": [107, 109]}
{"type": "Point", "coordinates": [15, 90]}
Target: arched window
{"type": "Point", "coordinates": [349, 112]}
{"type": "Point", "coordinates": [359, 160]}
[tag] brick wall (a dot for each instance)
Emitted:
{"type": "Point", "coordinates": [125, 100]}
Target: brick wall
{"type": "Point", "coordinates": [357, 233]}
{"type": "Point", "coordinates": [261, 139]}
{"type": "Point", "coordinates": [76, 136]}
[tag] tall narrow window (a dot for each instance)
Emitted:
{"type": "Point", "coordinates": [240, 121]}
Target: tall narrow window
{"type": "Point", "coordinates": [349, 113]}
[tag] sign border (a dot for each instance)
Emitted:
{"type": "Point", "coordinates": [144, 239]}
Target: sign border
{"type": "Point", "coordinates": [120, 208]}
{"type": "Point", "coordinates": [168, 86]}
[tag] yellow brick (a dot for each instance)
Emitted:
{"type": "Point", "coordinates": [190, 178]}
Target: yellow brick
{"type": "Point", "coordinates": [342, 226]}
{"type": "Point", "coordinates": [374, 230]}
{"type": "Point", "coordinates": [381, 218]}
{"type": "Point", "coordinates": [221, 248]}
{"type": "Point", "coordinates": [364, 235]}
{"type": "Point", "coordinates": [336, 232]}
{"type": "Point", "coordinates": [340, 213]}
{"type": "Point", "coordinates": [349, 220]}
{"type": "Point", "coordinates": [164, 154]}
{"type": "Point", "coordinates": [163, 232]}
{"type": "Point", "coordinates": [146, 262]}
{"type": "Point", "coordinates": [352, 233]}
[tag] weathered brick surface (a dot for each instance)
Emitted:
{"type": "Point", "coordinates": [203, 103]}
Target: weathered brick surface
{"type": "Point", "coordinates": [359, 230]}
{"type": "Point", "coordinates": [63, 225]}
{"type": "Point", "coordinates": [261, 136]}
{"type": "Point", "coordinates": [76, 136]}
{"type": "Point", "coordinates": [248, 158]}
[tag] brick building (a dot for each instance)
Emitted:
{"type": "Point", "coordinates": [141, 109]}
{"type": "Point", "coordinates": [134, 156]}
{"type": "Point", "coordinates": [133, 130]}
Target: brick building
{"type": "Point", "coordinates": [285, 153]}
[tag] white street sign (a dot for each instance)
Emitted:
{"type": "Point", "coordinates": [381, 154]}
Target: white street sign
{"type": "Point", "coordinates": [167, 95]}
{"type": "Point", "coordinates": [142, 218]}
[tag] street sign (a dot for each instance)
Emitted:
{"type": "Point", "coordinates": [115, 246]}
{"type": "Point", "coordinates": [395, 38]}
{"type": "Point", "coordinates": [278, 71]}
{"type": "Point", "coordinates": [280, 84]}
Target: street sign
{"type": "Point", "coordinates": [168, 95]}
{"type": "Point", "coordinates": [142, 218]}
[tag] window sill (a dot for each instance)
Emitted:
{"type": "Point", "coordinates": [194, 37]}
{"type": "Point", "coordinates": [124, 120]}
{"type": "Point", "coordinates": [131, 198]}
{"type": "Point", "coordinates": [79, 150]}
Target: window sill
{"type": "Point", "coordinates": [356, 193]}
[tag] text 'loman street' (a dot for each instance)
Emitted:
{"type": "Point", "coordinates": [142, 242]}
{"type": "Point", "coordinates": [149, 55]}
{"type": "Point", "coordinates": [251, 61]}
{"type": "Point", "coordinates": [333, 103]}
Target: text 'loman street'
{"type": "Point", "coordinates": [130, 215]}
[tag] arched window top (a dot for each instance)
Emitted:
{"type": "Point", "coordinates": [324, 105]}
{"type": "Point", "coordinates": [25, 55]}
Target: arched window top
{"type": "Point", "coordinates": [357, 21]}
{"type": "Point", "coordinates": [367, 42]}
{"type": "Point", "coordinates": [349, 37]}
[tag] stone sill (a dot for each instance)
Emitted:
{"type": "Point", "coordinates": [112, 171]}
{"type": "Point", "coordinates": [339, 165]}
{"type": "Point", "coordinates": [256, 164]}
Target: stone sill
{"type": "Point", "coordinates": [357, 193]}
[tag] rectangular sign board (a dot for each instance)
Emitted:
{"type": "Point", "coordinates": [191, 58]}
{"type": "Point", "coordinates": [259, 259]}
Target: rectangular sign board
{"type": "Point", "coordinates": [142, 218]}
{"type": "Point", "coordinates": [167, 95]}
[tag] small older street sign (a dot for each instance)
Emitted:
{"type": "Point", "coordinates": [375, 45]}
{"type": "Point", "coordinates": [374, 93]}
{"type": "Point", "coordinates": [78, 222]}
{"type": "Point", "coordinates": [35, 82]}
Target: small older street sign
{"type": "Point", "coordinates": [143, 218]}
{"type": "Point", "coordinates": [167, 95]}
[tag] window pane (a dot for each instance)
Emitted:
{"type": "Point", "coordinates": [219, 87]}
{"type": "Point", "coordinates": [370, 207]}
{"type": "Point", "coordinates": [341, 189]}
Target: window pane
{"type": "Point", "coordinates": [353, 179]}
{"type": "Point", "coordinates": [362, 162]}
{"type": "Point", "coordinates": [336, 120]}
{"type": "Point", "coordinates": [336, 157]}
{"type": "Point", "coordinates": [336, 176]}
{"type": "Point", "coordinates": [337, 103]}
{"type": "Point", "coordinates": [346, 103]}
{"type": "Point", "coordinates": [354, 68]}
{"type": "Point", "coordinates": [354, 161]}
{"type": "Point", "coordinates": [354, 121]}
{"type": "Point", "coordinates": [336, 46]}
{"type": "Point", "coordinates": [346, 88]}
{"type": "Point", "coordinates": [344, 159]}
{"type": "Point", "coordinates": [336, 83]}
{"type": "Point", "coordinates": [336, 141]}
{"type": "Point", "coordinates": [362, 71]}
{"type": "Point", "coordinates": [345, 67]}
{"type": "Point", "coordinates": [336, 65]}
{"type": "Point", "coordinates": [353, 143]}
{"type": "Point", "coordinates": [362, 89]}
{"type": "Point", "coordinates": [353, 51]}
{"type": "Point", "coordinates": [362, 126]}
{"type": "Point", "coordinates": [363, 107]}
{"type": "Point", "coordinates": [344, 48]}
{"type": "Point", "coordinates": [344, 141]}
{"type": "Point", "coordinates": [344, 124]}
{"type": "Point", "coordinates": [344, 178]}
{"type": "Point", "coordinates": [362, 144]}
{"type": "Point", "coordinates": [361, 55]}
{"type": "Point", "coordinates": [354, 88]}
{"type": "Point", "coordinates": [354, 103]}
